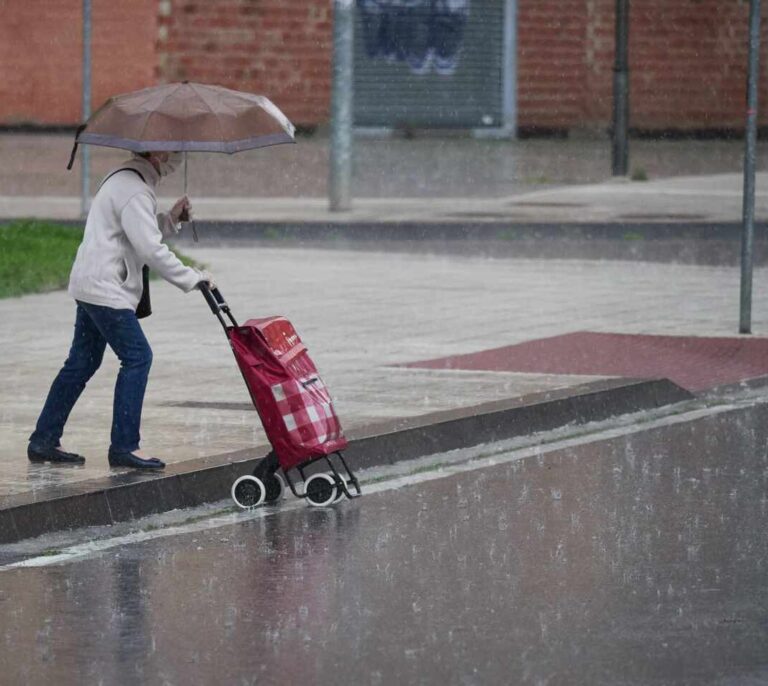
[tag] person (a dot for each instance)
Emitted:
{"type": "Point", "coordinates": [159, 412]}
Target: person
{"type": "Point", "coordinates": [123, 232]}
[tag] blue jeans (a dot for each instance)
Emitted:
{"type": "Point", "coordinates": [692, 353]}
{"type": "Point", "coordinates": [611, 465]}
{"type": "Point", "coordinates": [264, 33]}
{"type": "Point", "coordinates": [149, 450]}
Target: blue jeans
{"type": "Point", "coordinates": [95, 327]}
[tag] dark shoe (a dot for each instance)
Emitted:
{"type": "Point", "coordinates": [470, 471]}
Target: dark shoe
{"type": "Point", "coordinates": [131, 460]}
{"type": "Point", "coordinates": [37, 453]}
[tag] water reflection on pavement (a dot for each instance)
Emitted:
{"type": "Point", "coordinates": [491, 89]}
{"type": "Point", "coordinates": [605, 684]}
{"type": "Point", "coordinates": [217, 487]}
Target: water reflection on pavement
{"type": "Point", "coordinates": [639, 559]}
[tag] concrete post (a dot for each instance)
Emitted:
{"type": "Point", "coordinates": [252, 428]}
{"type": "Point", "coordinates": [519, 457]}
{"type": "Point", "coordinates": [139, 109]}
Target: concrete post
{"type": "Point", "coordinates": [750, 155]}
{"type": "Point", "coordinates": [620, 151]}
{"type": "Point", "coordinates": [341, 106]}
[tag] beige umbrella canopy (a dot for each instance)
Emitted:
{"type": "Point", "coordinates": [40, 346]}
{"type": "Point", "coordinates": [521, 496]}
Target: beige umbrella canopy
{"type": "Point", "coordinates": [186, 117]}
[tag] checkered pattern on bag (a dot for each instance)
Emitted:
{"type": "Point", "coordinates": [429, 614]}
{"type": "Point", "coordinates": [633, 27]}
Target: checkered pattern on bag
{"type": "Point", "coordinates": [307, 411]}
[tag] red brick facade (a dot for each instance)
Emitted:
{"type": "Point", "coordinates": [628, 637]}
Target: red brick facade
{"type": "Point", "coordinates": [41, 56]}
{"type": "Point", "coordinates": [690, 63]}
{"type": "Point", "coordinates": [687, 57]}
{"type": "Point", "coordinates": [276, 47]}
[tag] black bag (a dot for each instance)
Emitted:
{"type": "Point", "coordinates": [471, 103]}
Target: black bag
{"type": "Point", "coordinates": [144, 308]}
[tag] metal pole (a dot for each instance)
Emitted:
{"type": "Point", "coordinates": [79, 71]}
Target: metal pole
{"type": "Point", "coordinates": [509, 93]}
{"type": "Point", "coordinates": [194, 230]}
{"type": "Point", "coordinates": [750, 155]}
{"type": "Point", "coordinates": [341, 107]}
{"type": "Point", "coordinates": [620, 152]}
{"type": "Point", "coordinates": [85, 158]}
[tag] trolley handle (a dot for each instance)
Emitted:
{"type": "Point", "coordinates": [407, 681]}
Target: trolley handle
{"type": "Point", "coordinates": [219, 297]}
{"type": "Point", "coordinates": [216, 302]}
{"type": "Point", "coordinates": [210, 298]}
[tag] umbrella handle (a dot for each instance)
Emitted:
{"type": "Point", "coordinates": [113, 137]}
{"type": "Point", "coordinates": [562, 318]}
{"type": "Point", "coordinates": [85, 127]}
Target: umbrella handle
{"type": "Point", "coordinates": [194, 231]}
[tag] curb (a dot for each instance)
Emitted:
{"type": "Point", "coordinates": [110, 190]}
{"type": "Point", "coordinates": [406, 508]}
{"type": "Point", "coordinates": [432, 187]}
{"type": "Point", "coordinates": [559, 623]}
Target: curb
{"type": "Point", "coordinates": [683, 242]}
{"type": "Point", "coordinates": [120, 498]}
{"type": "Point", "coordinates": [426, 229]}
{"type": "Point", "coordinates": [671, 241]}
{"type": "Point", "coordinates": [504, 228]}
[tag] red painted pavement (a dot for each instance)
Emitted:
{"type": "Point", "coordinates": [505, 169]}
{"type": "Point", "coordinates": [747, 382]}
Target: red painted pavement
{"type": "Point", "coordinates": [695, 363]}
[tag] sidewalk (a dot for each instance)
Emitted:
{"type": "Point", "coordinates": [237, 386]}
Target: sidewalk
{"type": "Point", "coordinates": [418, 183]}
{"type": "Point", "coordinates": [376, 310]}
{"type": "Point", "coordinates": [363, 313]}
{"type": "Point", "coordinates": [422, 167]}
{"type": "Point", "coordinates": [421, 180]}
{"type": "Point", "coordinates": [715, 198]}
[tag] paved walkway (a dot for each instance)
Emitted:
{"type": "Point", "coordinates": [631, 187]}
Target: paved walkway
{"type": "Point", "coordinates": [716, 198]}
{"type": "Point", "coordinates": [359, 312]}
{"type": "Point", "coordinates": [423, 167]}
{"type": "Point", "coordinates": [423, 180]}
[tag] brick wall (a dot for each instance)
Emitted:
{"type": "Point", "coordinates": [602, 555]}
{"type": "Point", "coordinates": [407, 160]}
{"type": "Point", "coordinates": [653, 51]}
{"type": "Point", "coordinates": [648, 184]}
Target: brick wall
{"type": "Point", "coordinates": [687, 57]}
{"type": "Point", "coordinates": [551, 54]}
{"type": "Point", "coordinates": [41, 56]}
{"type": "Point", "coordinates": [279, 48]}
{"type": "Point", "coordinates": [687, 62]}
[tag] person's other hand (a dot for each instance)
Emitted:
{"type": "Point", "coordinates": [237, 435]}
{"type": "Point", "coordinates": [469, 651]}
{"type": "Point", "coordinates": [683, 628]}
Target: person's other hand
{"type": "Point", "coordinates": [181, 210]}
{"type": "Point", "coordinates": [207, 277]}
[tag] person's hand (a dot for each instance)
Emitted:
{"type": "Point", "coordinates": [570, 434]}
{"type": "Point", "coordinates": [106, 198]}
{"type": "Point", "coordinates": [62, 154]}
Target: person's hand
{"type": "Point", "coordinates": [207, 277]}
{"type": "Point", "coordinates": [181, 210]}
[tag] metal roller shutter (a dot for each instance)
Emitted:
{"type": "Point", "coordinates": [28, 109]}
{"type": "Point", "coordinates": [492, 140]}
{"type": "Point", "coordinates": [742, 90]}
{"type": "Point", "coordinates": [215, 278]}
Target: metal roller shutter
{"type": "Point", "coordinates": [429, 63]}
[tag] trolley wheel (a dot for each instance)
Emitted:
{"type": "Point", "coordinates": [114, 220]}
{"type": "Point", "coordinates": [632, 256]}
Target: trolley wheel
{"type": "Point", "coordinates": [275, 488]}
{"type": "Point", "coordinates": [248, 492]}
{"type": "Point", "coordinates": [320, 490]}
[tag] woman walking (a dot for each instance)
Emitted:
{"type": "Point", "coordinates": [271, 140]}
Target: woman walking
{"type": "Point", "coordinates": [123, 233]}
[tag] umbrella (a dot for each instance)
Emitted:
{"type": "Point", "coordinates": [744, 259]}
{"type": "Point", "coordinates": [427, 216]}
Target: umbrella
{"type": "Point", "coordinates": [185, 117]}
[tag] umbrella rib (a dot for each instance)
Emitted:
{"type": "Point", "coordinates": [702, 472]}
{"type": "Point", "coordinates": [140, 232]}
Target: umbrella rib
{"type": "Point", "coordinates": [149, 94]}
{"type": "Point", "coordinates": [153, 112]}
{"type": "Point", "coordinates": [213, 112]}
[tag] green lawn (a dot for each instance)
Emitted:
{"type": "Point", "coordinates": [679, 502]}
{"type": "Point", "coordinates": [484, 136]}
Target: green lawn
{"type": "Point", "coordinates": [36, 256]}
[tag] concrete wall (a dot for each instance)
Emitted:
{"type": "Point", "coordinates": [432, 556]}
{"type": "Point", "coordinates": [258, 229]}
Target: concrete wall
{"type": "Point", "coordinates": [687, 57]}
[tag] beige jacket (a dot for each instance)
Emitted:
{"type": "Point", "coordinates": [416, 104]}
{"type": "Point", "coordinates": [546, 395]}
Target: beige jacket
{"type": "Point", "coordinates": [123, 233]}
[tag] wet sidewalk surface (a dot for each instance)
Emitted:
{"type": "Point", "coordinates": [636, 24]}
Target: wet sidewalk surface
{"type": "Point", "coordinates": [423, 167]}
{"type": "Point", "coordinates": [423, 180]}
{"type": "Point", "coordinates": [636, 559]}
{"type": "Point", "coordinates": [696, 363]}
{"type": "Point", "coordinates": [361, 315]}
{"type": "Point", "coordinates": [364, 314]}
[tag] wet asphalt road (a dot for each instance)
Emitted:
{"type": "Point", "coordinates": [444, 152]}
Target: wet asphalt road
{"type": "Point", "coordinates": [640, 559]}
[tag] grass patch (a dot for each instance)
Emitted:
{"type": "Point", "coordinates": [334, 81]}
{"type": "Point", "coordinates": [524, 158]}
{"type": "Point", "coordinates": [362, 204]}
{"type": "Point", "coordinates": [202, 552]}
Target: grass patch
{"type": "Point", "coordinates": [540, 179]}
{"type": "Point", "coordinates": [508, 235]}
{"type": "Point", "coordinates": [37, 256]}
{"type": "Point", "coordinates": [639, 174]}
{"type": "Point", "coordinates": [633, 236]}
{"type": "Point", "coordinates": [273, 234]}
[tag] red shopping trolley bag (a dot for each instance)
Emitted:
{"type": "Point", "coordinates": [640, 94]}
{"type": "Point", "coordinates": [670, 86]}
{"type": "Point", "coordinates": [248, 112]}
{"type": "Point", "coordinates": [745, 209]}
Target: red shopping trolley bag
{"type": "Point", "coordinates": [295, 409]}
{"type": "Point", "coordinates": [288, 393]}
